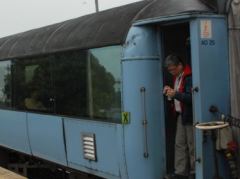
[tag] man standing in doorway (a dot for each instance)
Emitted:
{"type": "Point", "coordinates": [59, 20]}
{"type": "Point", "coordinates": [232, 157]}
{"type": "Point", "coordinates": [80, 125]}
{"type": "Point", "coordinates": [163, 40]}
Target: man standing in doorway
{"type": "Point", "coordinates": [181, 94]}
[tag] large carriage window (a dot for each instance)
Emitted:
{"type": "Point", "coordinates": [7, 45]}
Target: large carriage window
{"type": "Point", "coordinates": [5, 84]}
{"type": "Point", "coordinates": [74, 83]}
{"type": "Point", "coordinates": [32, 84]}
{"type": "Point", "coordinates": [104, 87]}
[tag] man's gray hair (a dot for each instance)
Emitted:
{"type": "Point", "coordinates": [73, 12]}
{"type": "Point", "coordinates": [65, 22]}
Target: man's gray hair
{"type": "Point", "coordinates": [173, 60]}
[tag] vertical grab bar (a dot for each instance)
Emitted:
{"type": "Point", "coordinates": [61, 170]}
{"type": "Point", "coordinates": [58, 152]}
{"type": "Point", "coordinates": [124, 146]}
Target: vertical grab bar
{"type": "Point", "coordinates": [144, 122]}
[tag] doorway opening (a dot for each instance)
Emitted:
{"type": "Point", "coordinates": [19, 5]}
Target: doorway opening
{"type": "Point", "coordinates": [175, 40]}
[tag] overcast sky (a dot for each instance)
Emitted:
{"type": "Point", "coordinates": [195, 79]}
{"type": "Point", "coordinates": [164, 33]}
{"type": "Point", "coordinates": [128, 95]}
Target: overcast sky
{"type": "Point", "coordinates": [22, 15]}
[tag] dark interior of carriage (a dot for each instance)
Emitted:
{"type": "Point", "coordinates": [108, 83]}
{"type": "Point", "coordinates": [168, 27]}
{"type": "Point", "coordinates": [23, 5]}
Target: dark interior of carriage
{"type": "Point", "coordinates": [175, 39]}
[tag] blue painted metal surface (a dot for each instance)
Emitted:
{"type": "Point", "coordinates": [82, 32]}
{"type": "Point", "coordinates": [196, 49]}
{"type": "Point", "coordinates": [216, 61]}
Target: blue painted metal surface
{"type": "Point", "coordinates": [211, 76]}
{"type": "Point", "coordinates": [109, 147]}
{"type": "Point", "coordinates": [141, 68]}
{"type": "Point", "coordinates": [13, 131]}
{"type": "Point", "coordinates": [46, 137]}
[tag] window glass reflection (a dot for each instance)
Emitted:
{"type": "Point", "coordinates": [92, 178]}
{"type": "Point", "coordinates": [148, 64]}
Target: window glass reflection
{"type": "Point", "coordinates": [70, 83]}
{"type": "Point", "coordinates": [105, 83]}
{"type": "Point", "coordinates": [32, 84]}
{"type": "Point", "coordinates": [5, 84]}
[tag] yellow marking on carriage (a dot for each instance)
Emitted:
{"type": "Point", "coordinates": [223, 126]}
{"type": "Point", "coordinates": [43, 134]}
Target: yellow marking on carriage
{"type": "Point", "coordinates": [125, 117]}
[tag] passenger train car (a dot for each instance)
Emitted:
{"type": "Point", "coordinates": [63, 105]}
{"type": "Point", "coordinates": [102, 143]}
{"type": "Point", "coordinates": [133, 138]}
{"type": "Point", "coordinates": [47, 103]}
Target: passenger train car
{"type": "Point", "coordinates": [86, 94]}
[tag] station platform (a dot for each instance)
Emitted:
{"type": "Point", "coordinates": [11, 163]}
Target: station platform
{"type": "Point", "coordinates": [7, 174]}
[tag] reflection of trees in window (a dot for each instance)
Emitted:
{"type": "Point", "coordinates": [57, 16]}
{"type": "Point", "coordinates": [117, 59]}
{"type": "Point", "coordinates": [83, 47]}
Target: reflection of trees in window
{"type": "Point", "coordinates": [38, 85]}
{"type": "Point", "coordinates": [32, 84]}
{"type": "Point", "coordinates": [18, 84]}
{"type": "Point", "coordinates": [5, 84]}
{"type": "Point", "coordinates": [70, 85]}
{"type": "Point", "coordinates": [102, 89]}
{"type": "Point", "coordinates": [105, 82]}
{"type": "Point", "coordinates": [42, 83]}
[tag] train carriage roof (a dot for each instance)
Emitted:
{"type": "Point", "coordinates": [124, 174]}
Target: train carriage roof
{"type": "Point", "coordinates": [100, 29]}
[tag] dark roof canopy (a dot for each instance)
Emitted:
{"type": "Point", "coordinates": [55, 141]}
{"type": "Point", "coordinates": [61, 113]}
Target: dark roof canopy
{"type": "Point", "coordinates": [108, 27]}
{"type": "Point", "coordinates": [172, 7]}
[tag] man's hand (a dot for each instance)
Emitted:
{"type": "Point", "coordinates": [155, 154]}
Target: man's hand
{"type": "Point", "coordinates": [168, 91]}
{"type": "Point", "coordinates": [171, 93]}
{"type": "Point", "coordinates": [165, 89]}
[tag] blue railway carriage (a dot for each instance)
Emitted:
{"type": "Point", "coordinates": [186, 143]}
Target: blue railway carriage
{"type": "Point", "coordinates": [86, 93]}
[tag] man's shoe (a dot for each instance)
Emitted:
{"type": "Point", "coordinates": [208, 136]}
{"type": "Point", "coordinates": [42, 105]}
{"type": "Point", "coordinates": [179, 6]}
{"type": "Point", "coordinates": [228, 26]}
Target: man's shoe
{"type": "Point", "coordinates": [191, 176]}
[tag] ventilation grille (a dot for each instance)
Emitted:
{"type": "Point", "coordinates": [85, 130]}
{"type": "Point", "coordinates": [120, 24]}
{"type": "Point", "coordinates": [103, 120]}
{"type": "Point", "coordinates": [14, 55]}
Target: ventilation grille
{"type": "Point", "coordinates": [89, 146]}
